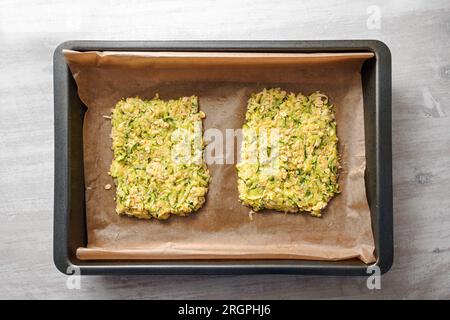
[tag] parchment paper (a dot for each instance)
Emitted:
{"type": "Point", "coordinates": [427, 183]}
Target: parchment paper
{"type": "Point", "coordinates": [222, 229]}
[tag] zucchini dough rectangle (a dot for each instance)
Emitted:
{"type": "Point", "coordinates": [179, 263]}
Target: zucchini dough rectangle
{"type": "Point", "coordinates": [289, 155]}
{"type": "Point", "coordinates": [153, 179]}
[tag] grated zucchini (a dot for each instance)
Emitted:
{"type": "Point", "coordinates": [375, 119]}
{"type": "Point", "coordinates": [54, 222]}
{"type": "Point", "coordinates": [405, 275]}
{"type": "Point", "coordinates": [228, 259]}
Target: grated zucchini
{"type": "Point", "coordinates": [150, 181]}
{"type": "Point", "coordinates": [289, 155]}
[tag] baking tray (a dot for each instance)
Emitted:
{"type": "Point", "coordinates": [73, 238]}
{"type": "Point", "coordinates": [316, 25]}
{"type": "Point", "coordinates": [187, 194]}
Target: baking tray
{"type": "Point", "coordinates": [69, 202]}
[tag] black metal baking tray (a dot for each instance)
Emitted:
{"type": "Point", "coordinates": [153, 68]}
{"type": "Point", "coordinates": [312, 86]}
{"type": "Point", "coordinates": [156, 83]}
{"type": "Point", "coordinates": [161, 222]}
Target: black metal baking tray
{"type": "Point", "coordinates": [69, 201]}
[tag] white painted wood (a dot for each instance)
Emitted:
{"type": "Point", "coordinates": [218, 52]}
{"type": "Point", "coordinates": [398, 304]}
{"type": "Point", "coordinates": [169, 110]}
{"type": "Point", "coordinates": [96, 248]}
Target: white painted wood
{"type": "Point", "coordinates": [418, 34]}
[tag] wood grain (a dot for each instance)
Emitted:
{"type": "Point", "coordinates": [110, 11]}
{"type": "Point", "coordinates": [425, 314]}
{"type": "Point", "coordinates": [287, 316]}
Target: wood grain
{"type": "Point", "coordinates": [418, 35]}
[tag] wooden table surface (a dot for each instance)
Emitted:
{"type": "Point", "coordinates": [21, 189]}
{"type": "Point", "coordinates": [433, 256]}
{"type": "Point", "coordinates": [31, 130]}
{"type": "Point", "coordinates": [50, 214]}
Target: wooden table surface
{"type": "Point", "coordinates": [418, 35]}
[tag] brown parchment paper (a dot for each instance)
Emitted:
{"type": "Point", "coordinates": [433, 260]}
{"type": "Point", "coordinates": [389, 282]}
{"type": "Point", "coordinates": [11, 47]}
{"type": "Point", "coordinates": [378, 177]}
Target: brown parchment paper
{"type": "Point", "coordinates": [222, 229]}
